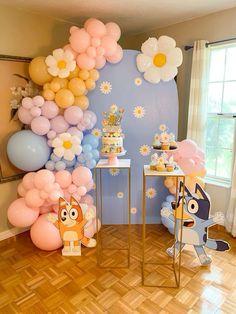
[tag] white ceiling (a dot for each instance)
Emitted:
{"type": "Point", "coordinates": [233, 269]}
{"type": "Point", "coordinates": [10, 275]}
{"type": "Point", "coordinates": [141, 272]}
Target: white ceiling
{"type": "Point", "coordinates": [133, 16]}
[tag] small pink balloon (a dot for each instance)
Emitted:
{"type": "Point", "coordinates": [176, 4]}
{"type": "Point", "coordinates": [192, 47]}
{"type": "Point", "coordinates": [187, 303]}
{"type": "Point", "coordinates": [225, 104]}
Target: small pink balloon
{"type": "Point", "coordinates": [20, 215]}
{"type": "Point", "coordinates": [35, 111]}
{"type": "Point", "coordinates": [76, 196]}
{"type": "Point", "coordinates": [100, 61]}
{"type": "Point", "coordinates": [85, 62]}
{"type": "Point", "coordinates": [43, 177]}
{"type": "Point", "coordinates": [63, 178]}
{"type": "Point", "coordinates": [33, 199]}
{"type": "Point", "coordinates": [95, 28]}
{"type": "Point", "coordinates": [43, 195]}
{"type": "Point", "coordinates": [27, 103]}
{"type": "Point", "coordinates": [51, 135]}
{"type": "Point", "coordinates": [49, 142]}
{"type": "Point", "coordinates": [24, 115]}
{"type": "Point", "coordinates": [90, 185]}
{"type": "Point", "coordinates": [73, 115]}
{"type": "Point", "coordinates": [117, 56]}
{"type": "Point", "coordinates": [68, 48]}
{"type": "Point", "coordinates": [55, 208]}
{"type": "Point", "coordinates": [81, 127]}
{"type": "Point", "coordinates": [21, 190]}
{"type": "Point", "coordinates": [95, 42]}
{"type": "Point", "coordinates": [73, 28]}
{"type": "Point", "coordinates": [40, 125]}
{"type": "Point", "coordinates": [100, 51]}
{"type": "Point", "coordinates": [59, 124]}
{"type": "Point", "coordinates": [81, 176]}
{"type": "Point", "coordinates": [188, 148]}
{"type": "Point", "coordinates": [79, 40]}
{"type": "Point", "coordinates": [109, 44]}
{"type": "Point", "coordinates": [49, 187]}
{"type": "Point", "coordinates": [72, 188]}
{"type": "Point", "coordinates": [50, 109]}
{"type": "Point", "coordinates": [91, 52]}
{"type": "Point", "coordinates": [187, 165]}
{"type": "Point", "coordinates": [87, 199]}
{"type": "Point", "coordinates": [28, 181]}
{"type": "Point", "coordinates": [113, 30]}
{"type": "Point", "coordinates": [45, 209]}
{"type": "Point", "coordinates": [38, 101]}
{"type": "Point", "coordinates": [45, 235]}
{"type": "Point", "coordinates": [82, 190]}
{"type": "Point", "coordinates": [55, 195]}
{"type": "Point", "coordinates": [75, 131]}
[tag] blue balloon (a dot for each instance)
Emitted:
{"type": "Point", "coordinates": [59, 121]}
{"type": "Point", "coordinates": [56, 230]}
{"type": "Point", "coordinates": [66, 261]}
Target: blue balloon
{"type": "Point", "coordinates": [54, 158]}
{"type": "Point", "coordinates": [91, 163]}
{"type": "Point", "coordinates": [170, 198]}
{"type": "Point", "coordinates": [166, 204]}
{"type": "Point", "coordinates": [27, 150]}
{"type": "Point", "coordinates": [88, 156]}
{"type": "Point", "coordinates": [95, 153]}
{"type": "Point", "coordinates": [50, 165]}
{"type": "Point", "coordinates": [81, 158]}
{"type": "Point", "coordinates": [87, 148]}
{"type": "Point", "coordinates": [69, 163]}
{"type": "Point", "coordinates": [90, 139]}
{"type": "Point", "coordinates": [60, 165]}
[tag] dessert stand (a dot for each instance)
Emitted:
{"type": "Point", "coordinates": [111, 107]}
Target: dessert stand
{"type": "Point", "coordinates": [113, 158]}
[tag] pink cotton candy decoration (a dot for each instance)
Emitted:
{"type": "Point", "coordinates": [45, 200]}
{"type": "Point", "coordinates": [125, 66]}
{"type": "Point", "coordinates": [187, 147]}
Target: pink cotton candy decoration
{"type": "Point", "coordinates": [24, 115]}
{"type": "Point", "coordinates": [40, 125]}
{"type": "Point", "coordinates": [50, 109]}
{"type": "Point", "coordinates": [79, 40]}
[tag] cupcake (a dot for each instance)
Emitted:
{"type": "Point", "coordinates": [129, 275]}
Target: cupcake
{"type": "Point", "coordinates": [165, 146]}
{"type": "Point", "coordinates": [153, 162]}
{"type": "Point", "coordinates": [170, 167]}
{"type": "Point", "coordinates": [161, 167]}
{"type": "Point", "coordinates": [156, 142]}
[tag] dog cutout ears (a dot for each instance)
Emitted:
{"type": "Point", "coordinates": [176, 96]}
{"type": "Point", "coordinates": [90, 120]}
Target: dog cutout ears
{"type": "Point", "coordinates": [195, 215]}
{"type": "Point", "coordinates": [70, 223]}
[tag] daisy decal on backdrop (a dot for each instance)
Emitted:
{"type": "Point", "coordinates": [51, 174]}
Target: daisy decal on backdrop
{"type": "Point", "coordinates": [145, 150]}
{"type": "Point", "coordinates": [105, 87]}
{"type": "Point", "coordinates": [67, 146]}
{"type": "Point", "coordinates": [114, 171]}
{"type": "Point", "coordinates": [151, 193]}
{"type": "Point", "coordinates": [162, 127]}
{"type": "Point", "coordinates": [139, 112]}
{"type": "Point", "coordinates": [138, 81]}
{"type": "Point", "coordinates": [60, 63]}
{"type": "Point", "coordinates": [133, 210]}
{"type": "Point", "coordinates": [159, 59]}
{"type": "Point", "coordinates": [120, 194]}
{"type": "Point", "coordinates": [97, 133]}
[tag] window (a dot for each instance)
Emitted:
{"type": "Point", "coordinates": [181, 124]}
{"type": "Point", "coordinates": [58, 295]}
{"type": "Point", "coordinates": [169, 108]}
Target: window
{"type": "Point", "coordinates": [221, 113]}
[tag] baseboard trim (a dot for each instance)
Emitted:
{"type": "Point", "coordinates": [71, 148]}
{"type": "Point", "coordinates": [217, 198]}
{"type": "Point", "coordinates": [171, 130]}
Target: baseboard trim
{"type": "Point", "coordinates": [12, 232]}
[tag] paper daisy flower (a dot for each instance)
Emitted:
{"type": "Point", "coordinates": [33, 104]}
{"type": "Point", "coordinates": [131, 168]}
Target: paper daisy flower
{"type": "Point", "coordinates": [162, 127]}
{"type": "Point", "coordinates": [67, 146]}
{"type": "Point", "coordinates": [114, 108]}
{"type": "Point", "coordinates": [138, 81]}
{"type": "Point", "coordinates": [114, 171]}
{"type": "Point", "coordinates": [120, 194]}
{"type": "Point", "coordinates": [159, 59]}
{"type": "Point", "coordinates": [133, 210]}
{"type": "Point", "coordinates": [145, 150]}
{"type": "Point", "coordinates": [105, 87]}
{"type": "Point", "coordinates": [151, 193]}
{"type": "Point", "coordinates": [139, 112]}
{"type": "Point", "coordinates": [97, 133]}
{"type": "Point", "coordinates": [60, 63]}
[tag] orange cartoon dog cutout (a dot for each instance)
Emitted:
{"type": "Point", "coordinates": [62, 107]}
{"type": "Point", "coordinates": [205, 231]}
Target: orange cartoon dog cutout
{"type": "Point", "coordinates": [71, 224]}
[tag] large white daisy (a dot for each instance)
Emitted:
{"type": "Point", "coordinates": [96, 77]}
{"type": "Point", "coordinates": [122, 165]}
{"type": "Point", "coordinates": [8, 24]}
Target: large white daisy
{"type": "Point", "coordinates": [159, 59]}
{"type": "Point", "coordinates": [60, 63]}
{"type": "Point", "coordinates": [67, 146]}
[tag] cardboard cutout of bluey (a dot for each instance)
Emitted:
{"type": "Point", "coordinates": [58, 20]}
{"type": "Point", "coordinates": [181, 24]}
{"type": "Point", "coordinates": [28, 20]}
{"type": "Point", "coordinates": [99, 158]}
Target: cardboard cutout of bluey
{"type": "Point", "coordinates": [196, 211]}
{"type": "Point", "coordinates": [71, 224]}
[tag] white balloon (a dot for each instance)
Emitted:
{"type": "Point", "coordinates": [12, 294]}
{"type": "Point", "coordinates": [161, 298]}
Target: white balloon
{"type": "Point", "coordinates": [168, 72]}
{"type": "Point", "coordinates": [150, 47]}
{"type": "Point", "coordinates": [143, 62]}
{"type": "Point", "coordinates": [152, 75]}
{"type": "Point", "coordinates": [175, 57]}
{"type": "Point", "coordinates": [166, 43]}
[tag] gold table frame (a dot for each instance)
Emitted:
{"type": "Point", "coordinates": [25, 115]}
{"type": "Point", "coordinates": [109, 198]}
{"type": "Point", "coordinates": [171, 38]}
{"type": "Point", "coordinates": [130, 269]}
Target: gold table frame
{"type": "Point", "coordinates": [103, 164]}
{"type": "Point", "coordinates": [177, 174]}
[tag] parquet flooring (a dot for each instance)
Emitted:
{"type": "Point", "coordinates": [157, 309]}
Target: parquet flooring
{"type": "Point", "coordinates": [33, 281]}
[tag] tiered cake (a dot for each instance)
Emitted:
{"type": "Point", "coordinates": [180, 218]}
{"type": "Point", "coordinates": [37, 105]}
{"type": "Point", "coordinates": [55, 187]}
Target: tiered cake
{"type": "Point", "coordinates": [112, 139]}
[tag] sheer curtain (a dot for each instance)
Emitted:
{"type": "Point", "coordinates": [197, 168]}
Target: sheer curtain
{"type": "Point", "coordinates": [197, 99]}
{"type": "Point", "coordinates": [230, 221]}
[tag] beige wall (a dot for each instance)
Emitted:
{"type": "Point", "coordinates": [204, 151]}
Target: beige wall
{"type": "Point", "coordinates": [211, 27]}
{"type": "Point", "coordinates": [29, 35]}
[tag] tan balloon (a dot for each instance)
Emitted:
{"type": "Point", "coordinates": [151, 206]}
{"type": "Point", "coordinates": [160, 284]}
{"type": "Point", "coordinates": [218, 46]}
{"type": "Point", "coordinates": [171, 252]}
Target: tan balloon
{"type": "Point", "coordinates": [48, 94]}
{"type": "Point", "coordinates": [74, 73]}
{"type": "Point", "coordinates": [94, 74]}
{"type": "Point", "coordinates": [82, 102]}
{"type": "Point", "coordinates": [64, 98]}
{"type": "Point", "coordinates": [84, 74]}
{"type": "Point", "coordinates": [77, 86]}
{"type": "Point", "coordinates": [90, 84]}
{"type": "Point", "coordinates": [38, 71]}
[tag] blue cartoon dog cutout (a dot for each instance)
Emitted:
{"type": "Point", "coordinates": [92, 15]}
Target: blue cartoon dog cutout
{"type": "Point", "coordinates": [196, 211]}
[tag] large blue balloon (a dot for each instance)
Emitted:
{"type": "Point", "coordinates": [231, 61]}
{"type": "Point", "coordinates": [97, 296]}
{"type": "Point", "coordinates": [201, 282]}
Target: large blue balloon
{"type": "Point", "coordinates": [28, 151]}
{"type": "Point", "coordinates": [91, 140]}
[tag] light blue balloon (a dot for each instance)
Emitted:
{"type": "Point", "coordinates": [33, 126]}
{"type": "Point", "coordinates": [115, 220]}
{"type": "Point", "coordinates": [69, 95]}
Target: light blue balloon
{"type": "Point", "coordinates": [69, 163]}
{"type": "Point", "coordinates": [90, 139]}
{"type": "Point", "coordinates": [95, 153]}
{"type": "Point", "coordinates": [54, 158]}
{"type": "Point", "coordinates": [87, 148]}
{"type": "Point", "coordinates": [50, 165]}
{"type": "Point", "coordinates": [81, 158]}
{"type": "Point", "coordinates": [60, 165]}
{"type": "Point", "coordinates": [91, 163]}
{"type": "Point", "coordinates": [170, 198]}
{"type": "Point", "coordinates": [88, 156]}
{"type": "Point", "coordinates": [27, 150]}
{"type": "Point", "coordinates": [166, 204]}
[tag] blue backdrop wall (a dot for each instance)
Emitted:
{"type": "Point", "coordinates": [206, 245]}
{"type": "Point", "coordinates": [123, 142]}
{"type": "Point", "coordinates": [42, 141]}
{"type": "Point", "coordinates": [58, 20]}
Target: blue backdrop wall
{"type": "Point", "coordinates": [146, 107]}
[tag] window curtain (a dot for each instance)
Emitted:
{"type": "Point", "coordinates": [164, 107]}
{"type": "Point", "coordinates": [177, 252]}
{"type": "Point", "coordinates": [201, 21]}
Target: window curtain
{"type": "Point", "coordinates": [198, 92]}
{"type": "Point", "coordinates": [230, 221]}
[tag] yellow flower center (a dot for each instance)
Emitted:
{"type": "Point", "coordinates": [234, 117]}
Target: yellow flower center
{"type": "Point", "coordinates": [67, 144]}
{"type": "Point", "coordinates": [61, 64]}
{"type": "Point", "coordinates": [159, 60]}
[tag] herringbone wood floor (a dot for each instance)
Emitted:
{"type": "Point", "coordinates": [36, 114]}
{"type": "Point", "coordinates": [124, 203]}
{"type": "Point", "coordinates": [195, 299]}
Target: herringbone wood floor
{"type": "Point", "coordinates": [33, 281]}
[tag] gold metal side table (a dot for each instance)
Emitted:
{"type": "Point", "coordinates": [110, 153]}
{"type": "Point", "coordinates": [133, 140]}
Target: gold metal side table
{"type": "Point", "coordinates": [101, 165]}
{"type": "Point", "coordinates": [178, 174]}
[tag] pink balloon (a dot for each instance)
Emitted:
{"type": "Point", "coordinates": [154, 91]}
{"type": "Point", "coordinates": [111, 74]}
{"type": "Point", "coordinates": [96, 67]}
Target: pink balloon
{"type": "Point", "coordinates": [20, 215]}
{"type": "Point", "coordinates": [73, 115]}
{"type": "Point", "coordinates": [38, 101]}
{"type": "Point", "coordinates": [40, 125]}
{"type": "Point", "coordinates": [200, 153]}
{"type": "Point", "coordinates": [42, 178]}
{"type": "Point", "coordinates": [55, 208]}
{"type": "Point", "coordinates": [51, 135]}
{"type": "Point", "coordinates": [28, 180]}
{"type": "Point", "coordinates": [63, 178]}
{"type": "Point", "coordinates": [100, 62]}
{"type": "Point", "coordinates": [50, 109]}
{"type": "Point", "coordinates": [45, 209]}
{"type": "Point", "coordinates": [59, 124]}
{"type": "Point", "coordinates": [95, 28]}
{"type": "Point", "coordinates": [109, 44]}
{"type": "Point", "coordinates": [21, 190]}
{"type": "Point", "coordinates": [79, 40]}
{"type": "Point", "coordinates": [113, 30]}
{"type": "Point", "coordinates": [72, 188]}
{"type": "Point", "coordinates": [43, 195]}
{"type": "Point", "coordinates": [49, 187]}
{"type": "Point", "coordinates": [55, 195]}
{"type": "Point", "coordinates": [90, 185]}
{"type": "Point", "coordinates": [117, 56]}
{"type": "Point", "coordinates": [75, 131]}
{"type": "Point", "coordinates": [45, 235]}
{"type": "Point", "coordinates": [91, 52]}
{"type": "Point", "coordinates": [73, 28]}
{"type": "Point", "coordinates": [87, 199]}
{"type": "Point", "coordinates": [27, 103]}
{"type": "Point", "coordinates": [35, 112]}
{"type": "Point", "coordinates": [187, 165]}
{"type": "Point", "coordinates": [95, 42]}
{"type": "Point", "coordinates": [33, 199]}
{"type": "Point", "coordinates": [100, 51]}
{"type": "Point", "coordinates": [85, 62]}
{"type": "Point", "coordinates": [24, 115]}
{"type": "Point", "coordinates": [82, 190]}
{"type": "Point", "coordinates": [68, 48]}
{"type": "Point", "coordinates": [188, 148]}
{"type": "Point", "coordinates": [81, 176]}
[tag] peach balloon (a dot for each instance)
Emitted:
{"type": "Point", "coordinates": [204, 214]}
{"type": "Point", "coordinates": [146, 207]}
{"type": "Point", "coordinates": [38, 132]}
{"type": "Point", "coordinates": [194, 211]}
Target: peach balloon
{"type": "Point", "coordinates": [55, 86]}
{"type": "Point", "coordinates": [79, 40]}
{"type": "Point", "coordinates": [21, 190]}
{"type": "Point", "coordinates": [109, 44]}
{"type": "Point", "coordinates": [28, 180]}
{"type": "Point", "coordinates": [77, 86]}
{"type": "Point", "coordinates": [91, 52]}
{"type": "Point", "coordinates": [82, 102]}
{"type": "Point", "coordinates": [48, 94]}
{"type": "Point", "coordinates": [69, 48]}
{"type": "Point", "coordinates": [117, 56]}
{"type": "Point", "coordinates": [63, 178]}
{"type": "Point", "coordinates": [62, 81]}
{"type": "Point", "coordinates": [20, 215]}
{"type": "Point", "coordinates": [45, 209]}
{"type": "Point", "coordinates": [94, 74]}
{"type": "Point", "coordinates": [45, 235]}
{"type": "Point", "coordinates": [113, 30]}
{"type": "Point", "coordinates": [64, 98]}
{"type": "Point", "coordinates": [81, 176]}
{"type": "Point", "coordinates": [33, 199]}
{"type": "Point", "coordinates": [85, 62]}
{"type": "Point", "coordinates": [100, 62]}
{"type": "Point", "coordinates": [90, 84]}
{"type": "Point", "coordinates": [84, 74]}
{"type": "Point", "coordinates": [38, 71]}
{"type": "Point", "coordinates": [43, 177]}
{"type": "Point", "coordinates": [95, 28]}
{"type": "Point", "coordinates": [95, 42]}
